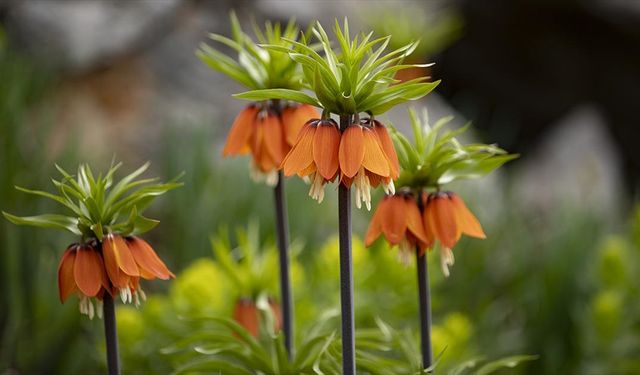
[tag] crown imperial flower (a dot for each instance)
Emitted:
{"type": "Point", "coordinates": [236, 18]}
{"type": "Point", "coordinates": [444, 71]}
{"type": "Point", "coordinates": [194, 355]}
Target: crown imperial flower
{"type": "Point", "coordinates": [110, 258]}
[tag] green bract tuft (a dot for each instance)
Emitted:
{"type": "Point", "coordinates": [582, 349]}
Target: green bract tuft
{"type": "Point", "coordinates": [436, 157]}
{"type": "Point", "coordinates": [96, 205]}
{"type": "Point", "coordinates": [256, 67]}
{"type": "Point", "coordinates": [353, 77]}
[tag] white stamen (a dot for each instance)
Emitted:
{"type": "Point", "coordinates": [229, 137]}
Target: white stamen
{"type": "Point", "coordinates": [269, 178]}
{"type": "Point", "coordinates": [91, 311]}
{"type": "Point", "coordinates": [125, 295]}
{"type": "Point", "coordinates": [99, 308]}
{"type": "Point", "coordinates": [363, 189]}
{"type": "Point", "coordinates": [389, 188]}
{"type": "Point", "coordinates": [446, 260]}
{"type": "Point", "coordinates": [317, 188]}
{"type": "Point", "coordinates": [405, 250]}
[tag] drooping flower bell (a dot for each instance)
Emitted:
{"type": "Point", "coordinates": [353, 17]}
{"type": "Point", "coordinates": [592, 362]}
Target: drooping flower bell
{"type": "Point", "coordinates": [246, 313]}
{"type": "Point", "coordinates": [114, 267]}
{"type": "Point", "coordinates": [261, 131]}
{"type": "Point", "coordinates": [365, 161]}
{"type": "Point", "coordinates": [82, 271]}
{"type": "Point", "coordinates": [446, 218]}
{"type": "Point", "coordinates": [294, 116]}
{"type": "Point", "coordinates": [359, 156]}
{"type": "Point", "coordinates": [315, 154]}
{"type": "Point", "coordinates": [398, 219]}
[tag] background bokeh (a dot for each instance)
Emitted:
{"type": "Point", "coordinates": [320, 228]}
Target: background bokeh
{"type": "Point", "coordinates": [556, 81]}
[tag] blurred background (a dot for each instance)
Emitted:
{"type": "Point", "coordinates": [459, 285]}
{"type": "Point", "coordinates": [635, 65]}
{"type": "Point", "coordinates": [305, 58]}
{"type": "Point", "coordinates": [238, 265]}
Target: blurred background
{"type": "Point", "coordinates": [555, 81]}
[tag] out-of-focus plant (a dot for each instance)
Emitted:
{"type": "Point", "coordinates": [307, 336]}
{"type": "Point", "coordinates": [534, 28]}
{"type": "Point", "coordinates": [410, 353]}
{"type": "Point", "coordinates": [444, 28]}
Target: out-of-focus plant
{"type": "Point", "coordinates": [435, 30]}
{"type": "Point", "coordinates": [610, 324]}
{"type": "Point", "coordinates": [228, 347]}
{"type": "Point", "coordinates": [251, 269]}
{"type": "Point", "coordinates": [110, 258]}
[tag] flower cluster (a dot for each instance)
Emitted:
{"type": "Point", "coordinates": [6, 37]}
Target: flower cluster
{"type": "Point", "coordinates": [114, 266]}
{"type": "Point", "coordinates": [362, 155]}
{"type": "Point", "coordinates": [266, 128]}
{"type": "Point", "coordinates": [267, 132]}
{"type": "Point", "coordinates": [416, 220]}
{"type": "Point", "coordinates": [348, 78]}
{"type": "Point", "coordinates": [110, 257]}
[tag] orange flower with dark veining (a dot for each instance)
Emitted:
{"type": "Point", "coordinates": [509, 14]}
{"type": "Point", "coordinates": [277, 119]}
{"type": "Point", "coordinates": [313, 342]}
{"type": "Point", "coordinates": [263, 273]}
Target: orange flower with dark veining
{"type": "Point", "coordinates": [398, 219]}
{"type": "Point", "coordinates": [294, 116]}
{"type": "Point", "coordinates": [364, 162]}
{"type": "Point", "coordinates": [315, 154]}
{"type": "Point", "coordinates": [361, 155]}
{"type": "Point", "coordinates": [446, 218]}
{"type": "Point", "coordinates": [267, 135]}
{"type": "Point", "coordinates": [82, 271]}
{"type": "Point", "coordinates": [245, 313]}
{"type": "Point", "coordinates": [115, 267]}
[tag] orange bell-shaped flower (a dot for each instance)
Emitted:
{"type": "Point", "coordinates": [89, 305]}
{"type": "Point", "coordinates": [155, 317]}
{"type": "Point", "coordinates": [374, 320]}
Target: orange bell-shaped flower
{"type": "Point", "coordinates": [364, 163]}
{"type": "Point", "coordinates": [315, 154]}
{"type": "Point", "coordinates": [398, 219]}
{"type": "Point", "coordinates": [446, 218]}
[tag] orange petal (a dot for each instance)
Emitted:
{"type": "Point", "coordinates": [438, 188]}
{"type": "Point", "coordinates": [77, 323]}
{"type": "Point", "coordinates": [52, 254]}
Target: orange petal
{"type": "Point", "coordinates": [442, 219]}
{"type": "Point", "coordinates": [294, 118]}
{"type": "Point", "coordinates": [240, 133]}
{"type": "Point", "coordinates": [326, 143]}
{"type": "Point", "coordinates": [374, 159]}
{"type": "Point", "coordinates": [467, 222]}
{"type": "Point", "coordinates": [87, 271]}
{"type": "Point", "coordinates": [375, 226]}
{"type": "Point", "coordinates": [414, 220]}
{"type": "Point", "coordinates": [150, 264]}
{"type": "Point", "coordinates": [118, 260]}
{"type": "Point", "coordinates": [308, 170]}
{"type": "Point", "coordinates": [394, 221]}
{"type": "Point", "coordinates": [301, 155]}
{"type": "Point", "coordinates": [388, 148]}
{"type": "Point", "coordinates": [273, 138]}
{"type": "Point", "coordinates": [351, 151]}
{"type": "Point", "coordinates": [66, 281]}
{"type": "Point", "coordinates": [246, 314]}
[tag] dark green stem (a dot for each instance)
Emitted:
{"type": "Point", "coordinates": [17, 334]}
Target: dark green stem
{"type": "Point", "coordinates": [346, 274]}
{"type": "Point", "coordinates": [111, 335]}
{"type": "Point", "coordinates": [285, 281]}
{"type": "Point", "coordinates": [425, 304]}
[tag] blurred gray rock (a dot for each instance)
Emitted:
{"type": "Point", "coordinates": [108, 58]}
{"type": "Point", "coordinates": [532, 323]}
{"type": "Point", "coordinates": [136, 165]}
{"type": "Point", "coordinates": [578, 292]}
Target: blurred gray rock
{"type": "Point", "coordinates": [576, 167]}
{"type": "Point", "coordinates": [82, 34]}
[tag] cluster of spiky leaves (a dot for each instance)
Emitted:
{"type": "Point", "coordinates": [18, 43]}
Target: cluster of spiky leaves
{"type": "Point", "coordinates": [97, 205]}
{"type": "Point", "coordinates": [250, 266]}
{"type": "Point", "coordinates": [256, 67]}
{"type": "Point", "coordinates": [436, 157]}
{"type": "Point", "coordinates": [356, 76]}
{"type": "Point", "coordinates": [226, 347]}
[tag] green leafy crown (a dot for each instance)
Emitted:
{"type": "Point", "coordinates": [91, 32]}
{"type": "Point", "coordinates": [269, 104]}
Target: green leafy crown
{"type": "Point", "coordinates": [436, 157]}
{"type": "Point", "coordinates": [355, 77]}
{"type": "Point", "coordinates": [256, 67]}
{"type": "Point", "coordinates": [97, 205]}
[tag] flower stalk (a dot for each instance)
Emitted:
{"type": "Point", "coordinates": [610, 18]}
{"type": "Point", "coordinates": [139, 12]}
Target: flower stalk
{"type": "Point", "coordinates": [111, 335]}
{"type": "Point", "coordinates": [346, 274]}
{"type": "Point", "coordinates": [282, 226]}
{"type": "Point", "coordinates": [424, 302]}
